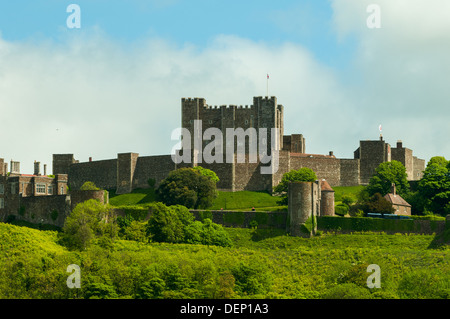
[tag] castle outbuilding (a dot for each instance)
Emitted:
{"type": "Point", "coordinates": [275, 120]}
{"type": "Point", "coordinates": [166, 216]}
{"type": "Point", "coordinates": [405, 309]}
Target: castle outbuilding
{"type": "Point", "coordinates": [401, 206]}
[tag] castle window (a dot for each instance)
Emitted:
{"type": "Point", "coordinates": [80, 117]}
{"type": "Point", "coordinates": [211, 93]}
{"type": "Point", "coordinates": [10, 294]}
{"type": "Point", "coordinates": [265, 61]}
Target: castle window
{"type": "Point", "coordinates": [210, 121]}
{"type": "Point", "coordinates": [2, 189]}
{"type": "Point", "coordinates": [2, 203]}
{"type": "Point", "coordinates": [246, 121]}
{"type": "Point", "coordinates": [62, 190]}
{"type": "Point", "coordinates": [50, 189]}
{"type": "Point", "coordinates": [13, 188]}
{"type": "Point", "coordinates": [40, 188]}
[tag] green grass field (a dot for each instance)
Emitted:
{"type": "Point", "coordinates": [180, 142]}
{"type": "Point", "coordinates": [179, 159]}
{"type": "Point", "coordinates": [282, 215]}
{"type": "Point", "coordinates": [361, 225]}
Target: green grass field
{"type": "Point", "coordinates": [136, 197]}
{"type": "Point", "coordinates": [241, 200]}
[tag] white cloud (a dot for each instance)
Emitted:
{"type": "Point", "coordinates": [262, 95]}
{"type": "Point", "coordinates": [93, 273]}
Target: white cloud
{"type": "Point", "coordinates": [92, 96]}
{"type": "Point", "coordinates": [403, 69]}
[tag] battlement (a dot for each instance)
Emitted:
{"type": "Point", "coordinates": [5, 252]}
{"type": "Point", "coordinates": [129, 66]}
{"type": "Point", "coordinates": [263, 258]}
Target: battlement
{"type": "Point", "coordinates": [201, 102]}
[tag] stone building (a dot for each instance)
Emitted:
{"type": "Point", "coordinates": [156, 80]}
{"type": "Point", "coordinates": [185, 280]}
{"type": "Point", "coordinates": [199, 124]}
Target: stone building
{"type": "Point", "coordinates": [37, 198]}
{"type": "Point", "coordinates": [373, 153]}
{"type": "Point", "coordinates": [130, 170]}
{"type": "Point", "coordinates": [401, 206]}
{"type": "Point", "coordinates": [308, 200]}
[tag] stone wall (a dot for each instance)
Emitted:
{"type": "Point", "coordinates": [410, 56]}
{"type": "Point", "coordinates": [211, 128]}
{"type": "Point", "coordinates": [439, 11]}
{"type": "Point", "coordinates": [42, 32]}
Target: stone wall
{"type": "Point", "coordinates": [101, 173]}
{"type": "Point", "coordinates": [325, 167]}
{"type": "Point", "coordinates": [418, 168]}
{"type": "Point", "coordinates": [349, 173]}
{"type": "Point", "coordinates": [152, 167]}
{"type": "Point", "coordinates": [51, 210]}
{"type": "Point", "coordinates": [371, 154]}
{"type": "Point", "coordinates": [77, 197]}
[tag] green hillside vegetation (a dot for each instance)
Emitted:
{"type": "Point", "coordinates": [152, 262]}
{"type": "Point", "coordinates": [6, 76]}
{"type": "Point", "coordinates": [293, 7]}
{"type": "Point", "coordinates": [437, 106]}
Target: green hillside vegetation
{"type": "Point", "coordinates": [259, 264]}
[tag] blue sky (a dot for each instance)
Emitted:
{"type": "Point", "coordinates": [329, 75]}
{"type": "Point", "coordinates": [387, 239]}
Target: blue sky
{"type": "Point", "coordinates": [124, 72]}
{"type": "Point", "coordinates": [179, 21]}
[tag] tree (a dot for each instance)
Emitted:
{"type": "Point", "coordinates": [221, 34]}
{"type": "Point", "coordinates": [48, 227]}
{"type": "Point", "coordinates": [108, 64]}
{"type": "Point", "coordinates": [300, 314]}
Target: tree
{"type": "Point", "coordinates": [434, 187]}
{"type": "Point", "coordinates": [165, 224]}
{"type": "Point", "coordinates": [377, 204]}
{"type": "Point", "coordinates": [386, 174]}
{"type": "Point", "coordinates": [89, 220]}
{"type": "Point", "coordinates": [207, 172]}
{"type": "Point", "coordinates": [303, 174]}
{"type": "Point", "coordinates": [187, 187]}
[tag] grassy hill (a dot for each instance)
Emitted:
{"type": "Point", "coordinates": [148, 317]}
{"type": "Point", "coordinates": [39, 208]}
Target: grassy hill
{"type": "Point", "coordinates": [243, 200]}
{"type": "Point", "coordinates": [260, 264]}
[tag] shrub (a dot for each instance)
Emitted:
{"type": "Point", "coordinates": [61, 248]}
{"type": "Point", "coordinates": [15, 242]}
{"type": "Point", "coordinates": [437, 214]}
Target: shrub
{"type": "Point", "coordinates": [165, 225]}
{"type": "Point", "coordinates": [341, 209]}
{"type": "Point", "coordinates": [89, 186]}
{"type": "Point", "coordinates": [87, 221]}
{"type": "Point", "coordinates": [251, 279]}
{"type": "Point", "coordinates": [175, 224]}
{"type": "Point", "coordinates": [347, 291]}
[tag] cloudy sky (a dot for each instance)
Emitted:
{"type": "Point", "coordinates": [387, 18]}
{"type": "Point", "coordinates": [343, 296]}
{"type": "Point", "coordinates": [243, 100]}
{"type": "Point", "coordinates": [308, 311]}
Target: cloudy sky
{"type": "Point", "coordinates": [115, 84]}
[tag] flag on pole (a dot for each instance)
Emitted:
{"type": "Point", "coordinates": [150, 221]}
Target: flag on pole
{"type": "Point", "coordinates": [267, 76]}
{"type": "Point", "coordinates": [380, 128]}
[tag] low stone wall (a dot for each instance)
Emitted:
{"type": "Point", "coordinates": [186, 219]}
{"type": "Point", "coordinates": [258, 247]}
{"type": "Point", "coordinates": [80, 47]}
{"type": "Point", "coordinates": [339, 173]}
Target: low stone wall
{"type": "Point", "coordinates": [50, 210]}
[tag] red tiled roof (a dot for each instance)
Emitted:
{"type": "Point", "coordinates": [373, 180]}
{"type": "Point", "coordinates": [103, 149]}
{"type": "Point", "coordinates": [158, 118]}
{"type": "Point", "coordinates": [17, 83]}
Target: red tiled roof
{"type": "Point", "coordinates": [324, 186]}
{"type": "Point", "coordinates": [312, 155]}
{"type": "Point", "coordinates": [396, 200]}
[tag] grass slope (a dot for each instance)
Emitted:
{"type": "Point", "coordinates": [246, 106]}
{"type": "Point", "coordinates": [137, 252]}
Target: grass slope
{"type": "Point", "coordinates": [241, 200]}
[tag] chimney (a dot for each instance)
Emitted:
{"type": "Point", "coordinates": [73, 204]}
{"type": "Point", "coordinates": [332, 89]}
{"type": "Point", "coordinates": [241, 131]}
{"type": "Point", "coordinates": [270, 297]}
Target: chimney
{"type": "Point", "coordinates": [331, 153]}
{"type": "Point", "coordinates": [393, 189]}
{"type": "Point", "coordinates": [399, 144]}
{"type": "Point", "coordinates": [37, 168]}
{"type": "Point", "coordinates": [90, 159]}
{"type": "Point", "coordinates": [45, 169]}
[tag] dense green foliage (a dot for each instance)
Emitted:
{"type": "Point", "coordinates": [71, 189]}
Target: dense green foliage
{"type": "Point", "coordinates": [386, 174]}
{"type": "Point", "coordinates": [207, 172]}
{"type": "Point", "coordinates": [260, 264]}
{"type": "Point", "coordinates": [171, 224]}
{"type": "Point", "coordinates": [187, 187]}
{"type": "Point", "coordinates": [303, 174]}
{"type": "Point", "coordinates": [434, 188]}
{"type": "Point", "coordinates": [89, 186]}
{"type": "Point", "coordinates": [89, 220]}
{"type": "Point", "coordinates": [377, 204]}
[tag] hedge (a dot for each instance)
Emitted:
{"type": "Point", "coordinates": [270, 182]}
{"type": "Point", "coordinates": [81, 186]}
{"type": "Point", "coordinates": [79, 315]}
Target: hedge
{"type": "Point", "coordinates": [349, 224]}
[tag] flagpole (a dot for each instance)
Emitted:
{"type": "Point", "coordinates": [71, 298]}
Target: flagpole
{"type": "Point", "coordinates": [267, 85]}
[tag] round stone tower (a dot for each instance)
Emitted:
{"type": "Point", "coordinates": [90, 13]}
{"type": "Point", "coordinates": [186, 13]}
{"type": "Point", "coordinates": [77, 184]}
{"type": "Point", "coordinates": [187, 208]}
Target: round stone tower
{"type": "Point", "coordinates": [327, 199]}
{"type": "Point", "coordinates": [303, 207]}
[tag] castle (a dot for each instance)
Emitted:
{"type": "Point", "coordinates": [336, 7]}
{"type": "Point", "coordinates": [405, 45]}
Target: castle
{"type": "Point", "coordinates": [130, 171]}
